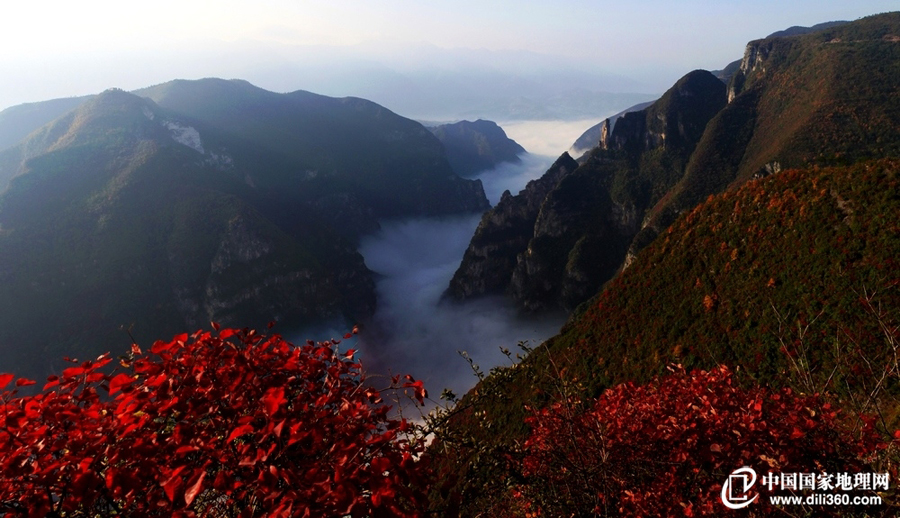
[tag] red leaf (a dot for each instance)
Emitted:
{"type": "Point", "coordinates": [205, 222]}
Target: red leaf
{"type": "Point", "coordinates": [273, 399]}
{"type": "Point", "coordinates": [22, 382]}
{"type": "Point", "coordinates": [32, 409]}
{"type": "Point", "coordinates": [215, 325]}
{"type": "Point", "coordinates": [71, 372]}
{"type": "Point", "coordinates": [419, 388]}
{"type": "Point", "coordinates": [278, 428]}
{"type": "Point", "coordinates": [239, 431]}
{"type": "Point", "coordinates": [5, 379]}
{"type": "Point", "coordinates": [225, 333]}
{"type": "Point", "coordinates": [52, 381]}
{"type": "Point", "coordinates": [171, 485]}
{"type": "Point", "coordinates": [119, 381]}
{"type": "Point", "coordinates": [159, 347]}
{"type": "Point", "coordinates": [135, 350]}
{"type": "Point", "coordinates": [110, 478]}
{"type": "Point", "coordinates": [185, 449]}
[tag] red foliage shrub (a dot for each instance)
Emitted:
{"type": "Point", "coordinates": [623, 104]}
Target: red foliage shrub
{"type": "Point", "coordinates": [666, 448]}
{"type": "Point", "coordinates": [232, 423]}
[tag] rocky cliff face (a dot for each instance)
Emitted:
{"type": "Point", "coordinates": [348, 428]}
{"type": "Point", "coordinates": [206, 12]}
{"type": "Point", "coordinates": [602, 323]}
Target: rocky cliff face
{"type": "Point", "coordinates": [755, 55]}
{"type": "Point", "coordinates": [504, 232]}
{"type": "Point", "coordinates": [253, 275]}
{"type": "Point", "coordinates": [555, 244]}
{"type": "Point", "coordinates": [599, 133]}
{"type": "Point", "coordinates": [576, 243]}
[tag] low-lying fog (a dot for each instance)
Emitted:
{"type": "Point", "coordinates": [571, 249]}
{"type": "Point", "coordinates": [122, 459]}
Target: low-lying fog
{"type": "Point", "coordinates": [415, 330]}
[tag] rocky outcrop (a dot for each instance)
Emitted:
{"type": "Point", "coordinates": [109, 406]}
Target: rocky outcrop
{"type": "Point", "coordinates": [555, 244]}
{"type": "Point", "coordinates": [599, 134]}
{"type": "Point", "coordinates": [577, 243]}
{"type": "Point", "coordinates": [604, 135]}
{"type": "Point", "coordinates": [473, 147]}
{"type": "Point", "coordinates": [504, 232]}
{"type": "Point", "coordinates": [254, 275]}
{"type": "Point", "coordinates": [755, 55]}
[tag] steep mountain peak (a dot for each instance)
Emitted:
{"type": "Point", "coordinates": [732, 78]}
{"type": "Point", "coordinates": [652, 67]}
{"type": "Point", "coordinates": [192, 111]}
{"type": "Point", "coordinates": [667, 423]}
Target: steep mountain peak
{"type": "Point", "coordinates": [676, 120]}
{"type": "Point", "coordinates": [504, 232]}
{"type": "Point", "coordinates": [684, 110]}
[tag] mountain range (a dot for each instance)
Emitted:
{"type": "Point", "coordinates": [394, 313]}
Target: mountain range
{"type": "Point", "coordinates": [198, 201]}
{"type": "Point", "coordinates": [748, 217]}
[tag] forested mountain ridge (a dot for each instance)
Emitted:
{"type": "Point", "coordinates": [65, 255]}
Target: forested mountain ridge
{"type": "Point", "coordinates": [17, 122]}
{"type": "Point", "coordinates": [126, 213]}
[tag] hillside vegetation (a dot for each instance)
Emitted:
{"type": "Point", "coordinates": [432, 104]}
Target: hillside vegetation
{"type": "Point", "coordinates": [791, 280]}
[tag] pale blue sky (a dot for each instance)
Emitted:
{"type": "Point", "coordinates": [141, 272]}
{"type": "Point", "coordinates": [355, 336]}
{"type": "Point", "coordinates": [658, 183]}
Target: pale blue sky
{"type": "Point", "coordinates": [60, 48]}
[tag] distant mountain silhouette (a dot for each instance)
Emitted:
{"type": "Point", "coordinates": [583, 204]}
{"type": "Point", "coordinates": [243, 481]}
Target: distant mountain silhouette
{"type": "Point", "coordinates": [473, 147]}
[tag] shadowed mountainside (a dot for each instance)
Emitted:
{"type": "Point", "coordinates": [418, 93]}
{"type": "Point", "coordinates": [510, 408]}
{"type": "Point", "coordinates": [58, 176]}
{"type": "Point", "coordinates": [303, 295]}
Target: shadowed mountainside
{"type": "Point", "coordinates": [243, 208]}
{"type": "Point", "coordinates": [473, 147]}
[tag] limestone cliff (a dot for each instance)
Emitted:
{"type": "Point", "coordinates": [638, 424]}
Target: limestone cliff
{"type": "Point", "coordinates": [503, 233]}
{"type": "Point", "coordinates": [581, 219]}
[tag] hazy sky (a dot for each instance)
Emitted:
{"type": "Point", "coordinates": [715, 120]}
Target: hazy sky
{"type": "Point", "coordinates": [61, 48]}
